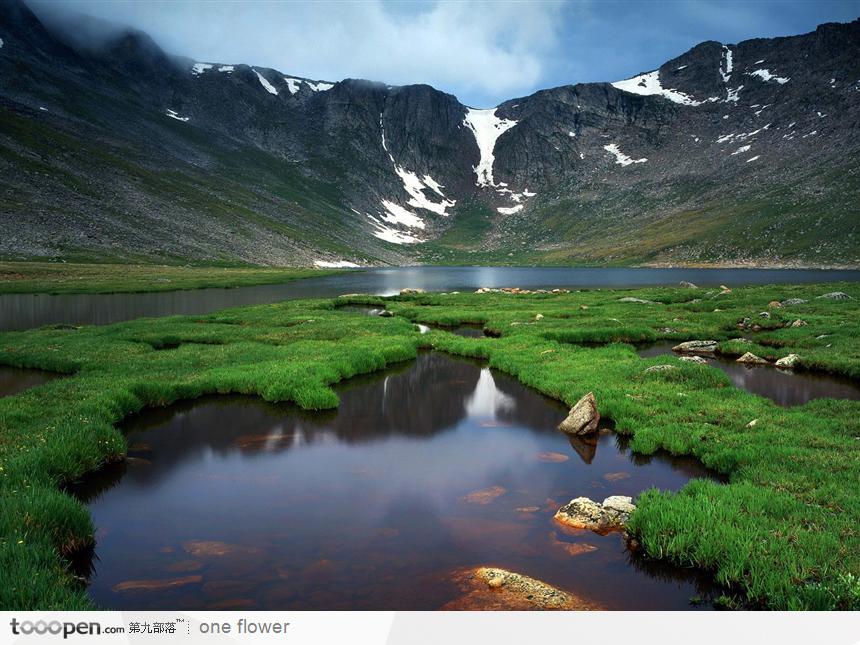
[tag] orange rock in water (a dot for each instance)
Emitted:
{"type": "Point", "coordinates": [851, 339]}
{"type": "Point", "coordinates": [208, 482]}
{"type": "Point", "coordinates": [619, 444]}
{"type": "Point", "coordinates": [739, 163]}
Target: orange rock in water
{"type": "Point", "coordinates": [552, 457]}
{"type": "Point", "coordinates": [215, 549]}
{"type": "Point", "coordinates": [615, 477]}
{"type": "Point", "coordinates": [485, 495]}
{"type": "Point", "coordinates": [156, 585]}
{"type": "Point", "coordinates": [490, 588]}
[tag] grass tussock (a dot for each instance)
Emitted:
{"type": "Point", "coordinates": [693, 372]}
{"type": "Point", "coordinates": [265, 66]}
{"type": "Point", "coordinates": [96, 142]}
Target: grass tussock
{"type": "Point", "coordinates": [782, 531]}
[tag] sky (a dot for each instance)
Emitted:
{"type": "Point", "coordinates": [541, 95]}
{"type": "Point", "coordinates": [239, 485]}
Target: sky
{"type": "Point", "coordinates": [482, 52]}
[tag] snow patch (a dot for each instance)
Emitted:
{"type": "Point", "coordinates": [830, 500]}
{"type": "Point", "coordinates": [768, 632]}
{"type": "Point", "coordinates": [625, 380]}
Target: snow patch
{"type": "Point", "coordinates": [396, 214]}
{"type": "Point", "coordinates": [620, 157]}
{"type": "Point", "coordinates": [265, 83]}
{"type": "Point", "coordinates": [752, 158]}
{"type": "Point", "coordinates": [732, 94]}
{"type": "Point", "coordinates": [173, 115]}
{"type": "Point", "coordinates": [510, 210]}
{"type": "Point", "coordinates": [292, 84]}
{"type": "Point", "coordinates": [198, 68]}
{"type": "Point", "coordinates": [390, 234]}
{"type": "Point", "coordinates": [680, 68]}
{"type": "Point", "coordinates": [741, 149]}
{"type": "Point", "coordinates": [339, 264]}
{"type": "Point", "coordinates": [1, 43]}
{"type": "Point", "coordinates": [320, 86]}
{"type": "Point", "coordinates": [228, 69]}
{"type": "Point", "coordinates": [765, 75]}
{"type": "Point", "coordinates": [726, 65]}
{"type": "Point", "coordinates": [487, 128]}
{"type": "Point", "coordinates": [649, 85]}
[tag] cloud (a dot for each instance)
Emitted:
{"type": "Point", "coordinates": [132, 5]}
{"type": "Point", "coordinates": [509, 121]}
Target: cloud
{"type": "Point", "coordinates": [481, 51]}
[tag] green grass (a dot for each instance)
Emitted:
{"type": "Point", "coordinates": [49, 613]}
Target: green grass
{"type": "Point", "coordinates": [782, 533]}
{"type": "Point", "coordinates": [62, 277]}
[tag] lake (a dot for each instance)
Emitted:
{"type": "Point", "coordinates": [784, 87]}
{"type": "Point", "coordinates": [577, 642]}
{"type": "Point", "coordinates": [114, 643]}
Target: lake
{"type": "Point", "coordinates": [435, 465]}
{"type": "Point", "coordinates": [24, 311]}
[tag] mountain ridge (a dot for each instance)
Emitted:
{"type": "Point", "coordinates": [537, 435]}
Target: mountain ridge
{"type": "Point", "coordinates": [174, 160]}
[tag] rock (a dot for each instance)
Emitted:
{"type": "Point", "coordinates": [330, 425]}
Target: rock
{"type": "Point", "coordinates": [484, 496]}
{"type": "Point", "coordinates": [764, 314]}
{"type": "Point", "coordinates": [753, 423]}
{"type": "Point", "coordinates": [490, 588]}
{"type": "Point", "coordinates": [774, 304]}
{"type": "Point", "coordinates": [687, 285]}
{"type": "Point", "coordinates": [751, 359]}
{"type": "Point", "coordinates": [637, 300]}
{"type": "Point", "coordinates": [551, 457]}
{"type": "Point", "coordinates": [725, 288]}
{"type": "Point", "coordinates": [156, 585]}
{"type": "Point", "coordinates": [660, 368]}
{"type": "Point", "coordinates": [693, 359]}
{"type": "Point", "coordinates": [583, 417]}
{"type": "Point", "coordinates": [617, 476]}
{"type": "Point", "coordinates": [214, 549]}
{"type": "Point", "coordinates": [583, 307]}
{"type": "Point", "coordinates": [584, 513]}
{"type": "Point", "coordinates": [798, 323]}
{"type": "Point", "coordinates": [539, 317]}
{"type": "Point", "coordinates": [697, 347]}
{"type": "Point", "coordinates": [788, 362]}
{"type": "Point", "coordinates": [411, 292]}
{"type": "Point", "coordinates": [794, 301]}
{"type": "Point", "coordinates": [385, 314]}
{"type": "Point", "coordinates": [836, 295]}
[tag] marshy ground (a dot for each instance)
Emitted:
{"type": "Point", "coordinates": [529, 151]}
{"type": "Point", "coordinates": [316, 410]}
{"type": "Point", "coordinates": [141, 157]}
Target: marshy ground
{"type": "Point", "coordinates": [780, 532]}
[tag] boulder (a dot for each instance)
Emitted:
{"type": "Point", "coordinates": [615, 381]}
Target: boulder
{"type": "Point", "coordinates": [836, 295]}
{"type": "Point", "coordinates": [798, 323]}
{"type": "Point", "coordinates": [764, 314]}
{"type": "Point", "coordinates": [411, 292]}
{"type": "Point", "coordinates": [687, 285]}
{"type": "Point", "coordinates": [637, 300]}
{"type": "Point", "coordinates": [693, 359]}
{"type": "Point", "coordinates": [585, 513]}
{"type": "Point", "coordinates": [774, 304]}
{"type": "Point", "coordinates": [751, 359]}
{"type": "Point", "coordinates": [491, 588]}
{"type": "Point", "coordinates": [538, 316]}
{"type": "Point", "coordinates": [697, 347]}
{"type": "Point", "coordinates": [660, 368]}
{"type": "Point", "coordinates": [583, 417]}
{"type": "Point", "coordinates": [788, 362]}
{"type": "Point", "coordinates": [794, 301]}
{"type": "Point", "coordinates": [386, 314]}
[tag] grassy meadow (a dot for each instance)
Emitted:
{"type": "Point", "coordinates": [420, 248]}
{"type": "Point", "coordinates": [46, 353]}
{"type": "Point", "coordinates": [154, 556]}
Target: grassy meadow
{"type": "Point", "coordinates": [61, 277]}
{"type": "Point", "coordinates": [782, 533]}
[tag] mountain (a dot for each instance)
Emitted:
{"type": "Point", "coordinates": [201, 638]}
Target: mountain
{"type": "Point", "coordinates": [112, 149]}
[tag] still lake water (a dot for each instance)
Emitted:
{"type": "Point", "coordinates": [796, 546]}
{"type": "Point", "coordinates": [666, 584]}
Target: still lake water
{"type": "Point", "coordinates": [440, 463]}
{"type": "Point", "coordinates": [24, 311]}
{"type": "Point", "coordinates": [783, 387]}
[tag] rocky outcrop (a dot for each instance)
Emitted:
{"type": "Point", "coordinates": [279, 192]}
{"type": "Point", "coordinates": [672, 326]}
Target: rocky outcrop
{"type": "Point", "coordinates": [696, 347]}
{"type": "Point", "coordinates": [751, 359]}
{"type": "Point", "coordinates": [583, 418]}
{"type": "Point", "coordinates": [585, 513]}
{"type": "Point", "coordinates": [788, 362]}
{"type": "Point", "coordinates": [491, 588]}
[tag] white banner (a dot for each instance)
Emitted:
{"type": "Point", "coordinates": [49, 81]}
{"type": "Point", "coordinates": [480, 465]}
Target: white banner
{"type": "Point", "coordinates": [431, 628]}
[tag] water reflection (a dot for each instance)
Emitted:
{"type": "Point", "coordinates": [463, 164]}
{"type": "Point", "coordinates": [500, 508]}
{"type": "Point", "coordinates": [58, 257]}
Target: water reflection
{"type": "Point", "coordinates": [783, 387]}
{"type": "Point", "coordinates": [439, 464]}
{"type": "Point", "coordinates": [23, 311]}
{"type": "Point", "coordinates": [14, 380]}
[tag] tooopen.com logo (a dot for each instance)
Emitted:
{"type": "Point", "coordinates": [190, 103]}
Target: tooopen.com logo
{"type": "Point", "coordinates": [56, 628]}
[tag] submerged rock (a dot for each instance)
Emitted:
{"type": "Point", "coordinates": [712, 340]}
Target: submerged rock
{"type": "Point", "coordinates": [485, 495]}
{"type": "Point", "coordinates": [836, 295]}
{"type": "Point", "coordinates": [156, 585]}
{"type": "Point", "coordinates": [751, 359]}
{"type": "Point", "coordinates": [789, 361]}
{"type": "Point", "coordinates": [583, 417]}
{"type": "Point", "coordinates": [490, 588]}
{"type": "Point", "coordinates": [696, 347]}
{"type": "Point", "coordinates": [585, 513]}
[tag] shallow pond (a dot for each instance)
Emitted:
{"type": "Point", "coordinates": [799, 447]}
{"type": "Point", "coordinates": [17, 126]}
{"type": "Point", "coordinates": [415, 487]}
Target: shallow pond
{"type": "Point", "coordinates": [23, 311]}
{"type": "Point", "coordinates": [783, 387]}
{"type": "Point", "coordinates": [14, 380]}
{"type": "Point", "coordinates": [440, 463]}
